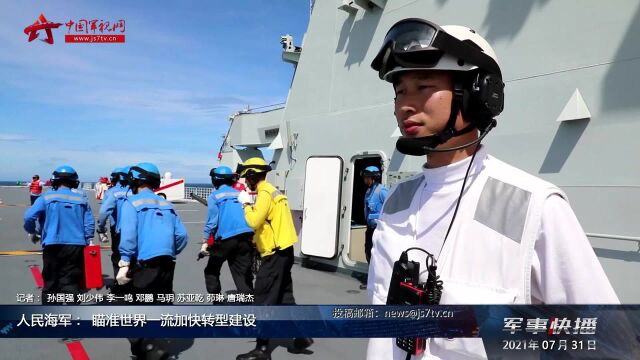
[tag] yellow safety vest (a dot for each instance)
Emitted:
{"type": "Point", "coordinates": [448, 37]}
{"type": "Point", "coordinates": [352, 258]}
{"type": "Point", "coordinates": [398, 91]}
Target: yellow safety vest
{"type": "Point", "coordinates": [271, 219]}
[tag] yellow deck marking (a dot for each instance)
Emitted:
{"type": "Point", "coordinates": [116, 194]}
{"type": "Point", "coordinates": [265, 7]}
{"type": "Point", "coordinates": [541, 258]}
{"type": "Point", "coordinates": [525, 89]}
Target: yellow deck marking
{"type": "Point", "coordinates": [32, 252]}
{"type": "Point", "coordinates": [20, 252]}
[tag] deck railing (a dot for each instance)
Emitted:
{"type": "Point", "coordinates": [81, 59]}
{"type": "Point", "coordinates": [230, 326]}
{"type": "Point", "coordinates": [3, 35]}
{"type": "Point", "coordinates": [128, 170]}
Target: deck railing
{"type": "Point", "coordinates": [200, 191]}
{"type": "Point", "coordinates": [203, 192]}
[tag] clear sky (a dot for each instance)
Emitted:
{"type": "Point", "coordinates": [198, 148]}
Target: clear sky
{"type": "Point", "coordinates": [164, 96]}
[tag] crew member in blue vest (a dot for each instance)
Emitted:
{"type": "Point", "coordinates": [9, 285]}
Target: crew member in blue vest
{"type": "Point", "coordinates": [232, 236]}
{"type": "Point", "coordinates": [67, 224]}
{"type": "Point", "coordinates": [110, 210]}
{"type": "Point", "coordinates": [108, 207]}
{"type": "Point", "coordinates": [151, 235]}
{"type": "Point", "coordinates": [373, 200]}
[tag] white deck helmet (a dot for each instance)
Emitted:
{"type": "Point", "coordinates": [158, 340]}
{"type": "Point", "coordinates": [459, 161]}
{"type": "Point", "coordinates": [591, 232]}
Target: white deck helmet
{"type": "Point", "coordinates": [464, 33]}
{"type": "Point", "coordinates": [417, 44]}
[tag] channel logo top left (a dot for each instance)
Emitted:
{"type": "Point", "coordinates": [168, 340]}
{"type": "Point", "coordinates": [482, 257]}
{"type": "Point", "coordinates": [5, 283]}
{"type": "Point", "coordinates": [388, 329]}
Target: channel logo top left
{"type": "Point", "coordinates": [41, 24]}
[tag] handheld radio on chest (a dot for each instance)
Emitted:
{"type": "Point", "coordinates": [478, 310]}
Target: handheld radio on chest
{"type": "Point", "coordinates": [406, 289]}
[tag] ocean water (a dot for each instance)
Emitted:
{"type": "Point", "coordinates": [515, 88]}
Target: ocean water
{"type": "Point", "coordinates": [9, 183]}
{"type": "Point", "coordinates": [23, 182]}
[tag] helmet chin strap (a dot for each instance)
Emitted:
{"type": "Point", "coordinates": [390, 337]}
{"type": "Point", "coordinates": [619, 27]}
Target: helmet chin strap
{"type": "Point", "coordinates": [423, 145]}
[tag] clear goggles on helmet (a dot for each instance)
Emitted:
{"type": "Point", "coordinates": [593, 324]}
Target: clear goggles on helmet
{"type": "Point", "coordinates": [370, 173]}
{"type": "Point", "coordinates": [64, 175]}
{"type": "Point", "coordinates": [420, 44]}
{"type": "Point", "coordinates": [216, 175]}
{"type": "Point", "coordinates": [142, 174]}
{"type": "Point", "coordinates": [243, 170]}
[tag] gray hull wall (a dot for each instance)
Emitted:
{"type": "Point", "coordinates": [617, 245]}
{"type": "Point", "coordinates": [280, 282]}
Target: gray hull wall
{"type": "Point", "coordinates": [547, 50]}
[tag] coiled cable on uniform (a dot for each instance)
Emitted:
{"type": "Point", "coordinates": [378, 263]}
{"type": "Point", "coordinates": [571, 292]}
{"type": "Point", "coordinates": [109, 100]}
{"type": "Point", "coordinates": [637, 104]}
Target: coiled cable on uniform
{"type": "Point", "coordinates": [434, 284]}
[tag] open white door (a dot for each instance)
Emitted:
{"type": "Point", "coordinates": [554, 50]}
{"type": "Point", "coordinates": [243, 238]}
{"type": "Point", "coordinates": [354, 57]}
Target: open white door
{"type": "Point", "coordinates": [323, 177]}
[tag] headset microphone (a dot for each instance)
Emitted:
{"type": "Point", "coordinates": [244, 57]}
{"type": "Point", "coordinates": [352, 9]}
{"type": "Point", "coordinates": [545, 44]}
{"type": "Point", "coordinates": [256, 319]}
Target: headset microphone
{"type": "Point", "coordinates": [427, 144]}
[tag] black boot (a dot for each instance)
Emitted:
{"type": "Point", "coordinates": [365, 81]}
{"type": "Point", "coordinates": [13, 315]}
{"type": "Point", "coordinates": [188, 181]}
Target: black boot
{"type": "Point", "coordinates": [261, 352]}
{"type": "Point", "coordinates": [149, 349]}
{"type": "Point", "coordinates": [300, 345]}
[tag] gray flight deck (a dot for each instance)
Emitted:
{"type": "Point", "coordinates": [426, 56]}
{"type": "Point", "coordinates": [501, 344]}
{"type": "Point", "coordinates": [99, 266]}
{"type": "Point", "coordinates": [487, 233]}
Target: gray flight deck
{"type": "Point", "coordinates": [310, 287]}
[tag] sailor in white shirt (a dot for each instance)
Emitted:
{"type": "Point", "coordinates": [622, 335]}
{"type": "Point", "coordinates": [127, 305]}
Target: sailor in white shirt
{"type": "Point", "coordinates": [509, 237]}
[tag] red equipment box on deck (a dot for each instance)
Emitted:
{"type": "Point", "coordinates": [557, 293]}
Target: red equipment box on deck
{"type": "Point", "coordinates": [92, 267]}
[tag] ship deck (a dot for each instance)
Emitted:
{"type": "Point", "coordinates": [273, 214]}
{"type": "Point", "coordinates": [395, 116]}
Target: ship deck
{"type": "Point", "coordinates": [19, 254]}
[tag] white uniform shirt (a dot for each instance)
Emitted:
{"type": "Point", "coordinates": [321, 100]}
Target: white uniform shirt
{"type": "Point", "coordinates": [562, 251]}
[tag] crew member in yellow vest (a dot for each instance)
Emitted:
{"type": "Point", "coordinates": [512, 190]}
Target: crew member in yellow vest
{"type": "Point", "coordinates": [275, 235]}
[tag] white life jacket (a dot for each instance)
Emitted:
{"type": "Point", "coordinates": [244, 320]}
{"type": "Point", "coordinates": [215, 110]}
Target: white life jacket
{"type": "Point", "coordinates": [486, 258]}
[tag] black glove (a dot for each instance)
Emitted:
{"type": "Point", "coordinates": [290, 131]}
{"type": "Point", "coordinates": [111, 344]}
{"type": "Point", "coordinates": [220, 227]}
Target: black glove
{"type": "Point", "coordinates": [35, 238]}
